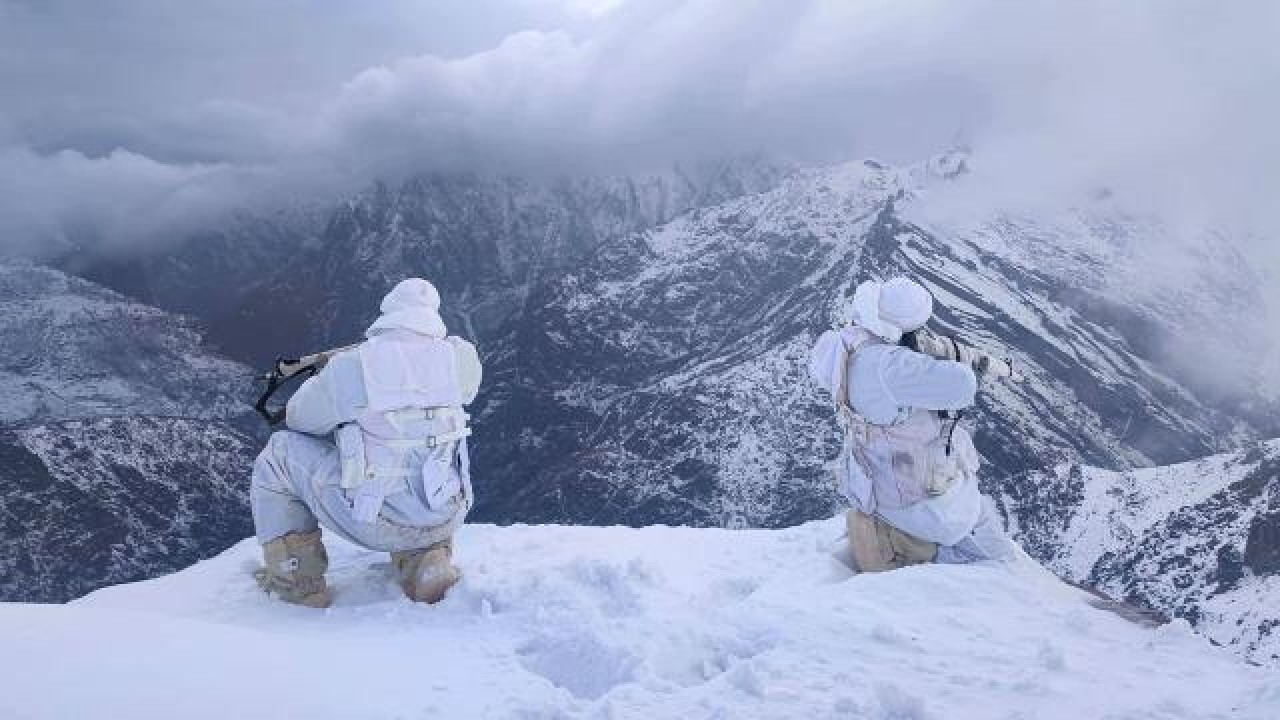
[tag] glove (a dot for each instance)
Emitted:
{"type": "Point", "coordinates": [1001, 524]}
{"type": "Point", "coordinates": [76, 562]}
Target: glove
{"type": "Point", "coordinates": [996, 367]}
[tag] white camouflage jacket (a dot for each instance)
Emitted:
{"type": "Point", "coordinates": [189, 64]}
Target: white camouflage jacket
{"type": "Point", "coordinates": [894, 461]}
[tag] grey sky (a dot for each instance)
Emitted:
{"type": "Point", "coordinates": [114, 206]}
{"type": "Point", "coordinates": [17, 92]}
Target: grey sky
{"type": "Point", "coordinates": [183, 81]}
{"type": "Point", "coordinates": [128, 121]}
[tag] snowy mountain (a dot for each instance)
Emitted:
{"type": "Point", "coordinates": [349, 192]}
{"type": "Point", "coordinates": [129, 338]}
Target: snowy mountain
{"type": "Point", "coordinates": [75, 349]}
{"type": "Point", "coordinates": [1199, 540]}
{"type": "Point", "coordinates": [665, 381]}
{"type": "Point", "coordinates": [487, 242]}
{"type": "Point", "coordinates": [645, 340]}
{"type": "Point", "coordinates": [644, 363]}
{"type": "Point", "coordinates": [561, 622]}
{"type": "Point", "coordinates": [99, 501]}
{"type": "Point", "coordinates": [124, 447]}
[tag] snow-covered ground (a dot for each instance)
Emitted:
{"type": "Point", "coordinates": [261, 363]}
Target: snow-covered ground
{"type": "Point", "coordinates": [552, 622]}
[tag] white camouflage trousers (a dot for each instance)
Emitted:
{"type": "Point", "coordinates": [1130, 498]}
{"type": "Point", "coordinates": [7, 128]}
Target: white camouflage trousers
{"type": "Point", "coordinates": [296, 488]}
{"type": "Point", "coordinates": [987, 541]}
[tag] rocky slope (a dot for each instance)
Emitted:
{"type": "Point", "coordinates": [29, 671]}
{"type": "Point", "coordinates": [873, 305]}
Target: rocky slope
{"type": "Point", "coordinates": [75, 349]}
{"type": "Point", "coordinates": [124, 447]}
{"type": "Point", "coordinates": [1199, 540]}
{"type": "Point", "coordinates": [100, 501]}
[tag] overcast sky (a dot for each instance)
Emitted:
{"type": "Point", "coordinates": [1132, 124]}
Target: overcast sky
{"type": "Point", "coordinates": [126, 121]}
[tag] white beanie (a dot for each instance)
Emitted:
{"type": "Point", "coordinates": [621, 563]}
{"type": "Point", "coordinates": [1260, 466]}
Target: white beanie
{"type": "Point", "coordinates": [892, 308]}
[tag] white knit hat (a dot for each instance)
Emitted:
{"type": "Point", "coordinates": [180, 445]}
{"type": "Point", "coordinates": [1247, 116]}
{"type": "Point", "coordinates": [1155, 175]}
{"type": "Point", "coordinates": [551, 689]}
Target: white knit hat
{"type": "Point", "coordinates": [892, 308]}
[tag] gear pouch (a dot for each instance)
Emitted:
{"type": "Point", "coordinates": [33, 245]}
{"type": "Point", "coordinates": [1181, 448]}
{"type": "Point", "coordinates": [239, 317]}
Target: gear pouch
{"type": "Point", "coordinates": [350, 441]}
{"type": "Point", "coordinates": [947, 469]}
{"type": "Point", "coordinates": [440, 481]}
{"type": "Point", "coordinates": [944, 471]}
{"type": "Point", "coordinates": [852, 478]}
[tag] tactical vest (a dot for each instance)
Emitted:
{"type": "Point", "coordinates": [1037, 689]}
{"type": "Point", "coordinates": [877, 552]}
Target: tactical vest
{"type": "Point", "coordinates": [410, 427]}
{"type": "Point", "coordinates": [888, 467]}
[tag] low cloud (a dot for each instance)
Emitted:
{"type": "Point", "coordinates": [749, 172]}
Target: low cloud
{"type": "Point", "coordinates": [131, 124]}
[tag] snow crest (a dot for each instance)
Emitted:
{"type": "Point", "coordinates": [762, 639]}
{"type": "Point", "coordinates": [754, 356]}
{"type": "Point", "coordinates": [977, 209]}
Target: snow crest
{"type": "Point", "coordinates": [560, 622]}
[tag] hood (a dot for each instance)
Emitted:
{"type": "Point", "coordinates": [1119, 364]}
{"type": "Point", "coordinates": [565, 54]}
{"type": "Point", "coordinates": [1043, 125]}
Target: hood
{"type": "Point", "coordinates": [892, 308]}
{"type": "Point", "coordinates": [412, 305]}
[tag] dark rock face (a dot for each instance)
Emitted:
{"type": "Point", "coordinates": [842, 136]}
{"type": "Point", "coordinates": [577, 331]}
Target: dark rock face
{"type": "Point", "coordinates": [95, 502]}
{"type": "Point", "coordinates": [1262, 548]}
{"type": "Point", "coordinates": [489, 245]}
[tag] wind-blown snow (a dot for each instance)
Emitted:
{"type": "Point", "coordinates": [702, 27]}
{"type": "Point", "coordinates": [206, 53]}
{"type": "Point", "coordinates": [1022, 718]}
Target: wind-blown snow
{"type": "Point", "coordinates": [552, 622]}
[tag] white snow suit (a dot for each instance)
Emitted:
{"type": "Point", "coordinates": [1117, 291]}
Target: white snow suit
{"type": "Point", "coordinates": [895, 463]}
{"type": "Point", "coordinates": [376, 451]}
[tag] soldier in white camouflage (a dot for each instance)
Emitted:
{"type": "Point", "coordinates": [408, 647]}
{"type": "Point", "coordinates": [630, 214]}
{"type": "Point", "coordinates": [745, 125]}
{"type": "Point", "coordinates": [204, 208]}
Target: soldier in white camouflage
{"type": "Point", "coordinates": [376, 452]}
{"type": "Point", "coordinates": [906, 466]}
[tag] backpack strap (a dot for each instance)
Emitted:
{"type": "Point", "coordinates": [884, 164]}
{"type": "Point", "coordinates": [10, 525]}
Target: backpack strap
{"type": "Point", "coordinates": [848, 351]}
{"type": "Point", "coordinates": [857, 430]}
{"type": "Point", "coordinates": [452, 415]}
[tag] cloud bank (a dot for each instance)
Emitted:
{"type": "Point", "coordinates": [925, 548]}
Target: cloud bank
{"type": "Point", "coordinates": [127, 123]}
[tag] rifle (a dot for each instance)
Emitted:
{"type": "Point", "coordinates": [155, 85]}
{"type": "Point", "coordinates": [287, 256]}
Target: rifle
{"type": "Point", "coordinates": [948, 348]}
{"type": "Point", "coordinates": [284, 371]}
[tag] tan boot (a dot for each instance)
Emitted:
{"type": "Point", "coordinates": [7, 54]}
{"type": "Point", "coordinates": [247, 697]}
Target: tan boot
{"type": "Point", "coordinates": [294, 567]}
{"type": "Point", "coordinates": [878, 546]}
{"type": "Point", "coordinates": [425, 575]}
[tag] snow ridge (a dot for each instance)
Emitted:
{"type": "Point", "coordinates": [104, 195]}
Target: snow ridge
{"type": "Point", "coordinates": [560, 622]}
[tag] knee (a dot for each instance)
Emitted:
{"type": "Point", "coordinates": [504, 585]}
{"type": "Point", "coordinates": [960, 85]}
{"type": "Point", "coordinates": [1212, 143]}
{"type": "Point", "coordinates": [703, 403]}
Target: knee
{"type": "Point", "coordinates": [878, 546]}
{"type": "Point", "coordinates": [282, 445]}
{"type": "Point", "coordinates": [279, 442]}
{"type": "Point", "coordinates": [270, 469]}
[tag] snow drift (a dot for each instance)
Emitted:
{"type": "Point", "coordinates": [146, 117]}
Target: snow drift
{"type": "Point", "coordinates": [553, 622]}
